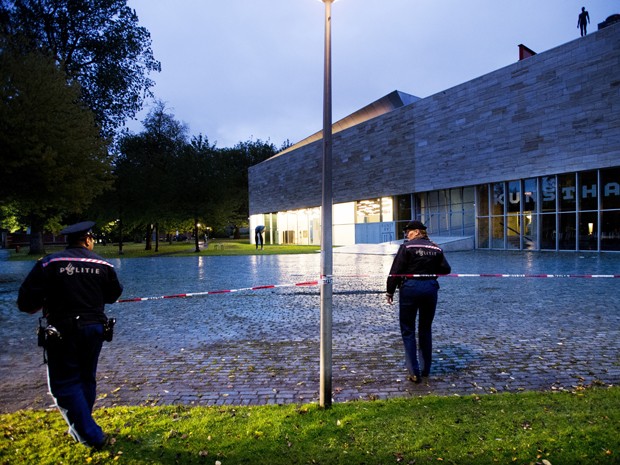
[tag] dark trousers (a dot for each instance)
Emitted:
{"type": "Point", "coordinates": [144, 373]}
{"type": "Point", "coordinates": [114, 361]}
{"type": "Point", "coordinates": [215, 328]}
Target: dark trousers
{"type": "Point", "coordinates": [258, 238]}
{"type": "Point", "coordinates": [418, 296]}
{"type": "Point", "coordinates": [72, 378]}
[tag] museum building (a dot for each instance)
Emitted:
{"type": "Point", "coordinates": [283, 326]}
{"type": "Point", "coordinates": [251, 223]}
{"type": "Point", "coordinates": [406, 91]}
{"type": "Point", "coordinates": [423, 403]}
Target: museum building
{"type": "Point", "coordinates": [523, 158]}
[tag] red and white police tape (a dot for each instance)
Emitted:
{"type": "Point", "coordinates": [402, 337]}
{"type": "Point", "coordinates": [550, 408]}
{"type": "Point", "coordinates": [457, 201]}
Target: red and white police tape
{"type": "Point", "coordinates": [316, 283]}
{"type": "Point", "coordinates": [223, 291]}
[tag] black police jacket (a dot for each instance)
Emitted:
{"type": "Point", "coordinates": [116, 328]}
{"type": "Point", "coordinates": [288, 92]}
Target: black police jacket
{"type": "Point", "coordinates": [70, 283]}
{"type": "Point", "coordinates": [417, 257]}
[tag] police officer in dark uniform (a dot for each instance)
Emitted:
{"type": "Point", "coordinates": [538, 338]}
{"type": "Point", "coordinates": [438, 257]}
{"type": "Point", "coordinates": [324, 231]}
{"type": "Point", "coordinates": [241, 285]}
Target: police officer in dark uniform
{"type": "Point", "coordinates": [417, 256]}
{"type": "Point", "coordinates": [72, 287]}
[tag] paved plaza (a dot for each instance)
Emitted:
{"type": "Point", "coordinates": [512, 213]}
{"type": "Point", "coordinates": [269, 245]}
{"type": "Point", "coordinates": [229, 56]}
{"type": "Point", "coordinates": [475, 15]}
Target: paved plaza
{"type": "Point", "coordinates": [262, 347]}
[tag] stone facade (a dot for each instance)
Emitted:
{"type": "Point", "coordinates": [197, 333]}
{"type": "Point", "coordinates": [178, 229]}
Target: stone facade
{"type": "Point", "coordinates": [555, 112]}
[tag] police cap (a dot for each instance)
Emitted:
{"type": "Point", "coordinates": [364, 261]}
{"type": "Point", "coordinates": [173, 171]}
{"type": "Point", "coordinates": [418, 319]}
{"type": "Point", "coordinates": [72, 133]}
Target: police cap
{"type": "Point", "coordinates": [414, 225]}
{"type": "Point", "coordinates": [78, 229]}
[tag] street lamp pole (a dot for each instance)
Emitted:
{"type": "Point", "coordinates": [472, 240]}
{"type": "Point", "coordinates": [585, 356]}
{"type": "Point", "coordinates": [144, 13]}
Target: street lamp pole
{"type": "Point", "coordinates": [325, 397]}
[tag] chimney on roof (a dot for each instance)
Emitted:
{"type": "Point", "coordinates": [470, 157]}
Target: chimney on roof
{"type": "Point", "coordinates": [525, 52]}
{"type": "Point", "coordinates": [609, 21]}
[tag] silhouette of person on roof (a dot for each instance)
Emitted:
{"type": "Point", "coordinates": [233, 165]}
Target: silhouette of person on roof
{"type": "Point", "coordinates": [583, 20]}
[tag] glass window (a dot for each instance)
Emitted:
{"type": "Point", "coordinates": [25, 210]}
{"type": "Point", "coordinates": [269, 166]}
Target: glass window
{"type": "Point", "coordinates": [513, 197]}
{"type": "Point", "coordinates": [468, 195]}
{"type": "Point", "coordinates": [315, 221]}
{"type": "Point", "coordinates": [272, 228]}
{"type": "Point", "coordinates": [483, 200]}
{"type": "Point", "coordinates": [432, 222]}
{"type": "Point", "coordinates": [610, 189]}
{"type": "Point", "coordinates": [567, 231]}
{"type": "Point", "coordinates": [433, 201]}
{"type": "Point", "coordinates": [444, 198]}
{"type": "Point", "coordinates": [547, 188]}
{"type": "Point", "coordinates": [469, 219]}
{"type": "Point", "coordinates": [588, 182]}
{"type": "Point", "coordinates": [456, 223]}
{"type": "Point", "coordinates": [567, 192]}
{"type": "Point", "coordinates": [417, 210]}
{"type": "Point", "coordinates": [530, 197]}
{"type": "Point", "coordinates": [483, 233]}
{"type": "Point", "coordinates": [548, 232]}
{"type": "Point", "coordinates": [456, 199]}
{"type": "Point", "coordinates": [497, 205]}
{"type": "Point", "coordinates": [610, 230]}
{"type": "Point", "coordinates": [403, 207]}
{"type": "Point", "coordinates": [444, 227]}
{"type": "Point", "coordinates": [387, 211]}
{"type": "Point", "coordinates": [530, 232]}
{"type": "Point", "coordinates": [368, 211]}
{"type": "Point", "coordinates": [513, 231]}
{"type": "Point", "coordinates": [421, 207]}
{"type": "Point", "coordinates": [497, 232]}
{"type": "Point", "coordinates": [588, 231]}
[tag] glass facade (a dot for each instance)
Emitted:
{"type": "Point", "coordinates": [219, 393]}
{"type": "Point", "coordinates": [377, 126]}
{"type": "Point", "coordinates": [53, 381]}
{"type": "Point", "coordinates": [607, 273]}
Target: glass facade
{"type": "Point", "coordinates": [446, 212]}
{"type": "Point", "coordinates": [353, 222]}
{"type": "Point", "coordinates": [569, 211]}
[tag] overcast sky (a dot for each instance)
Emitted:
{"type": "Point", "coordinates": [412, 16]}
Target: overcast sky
{"type": "Point", "coordinates": [235, 70]}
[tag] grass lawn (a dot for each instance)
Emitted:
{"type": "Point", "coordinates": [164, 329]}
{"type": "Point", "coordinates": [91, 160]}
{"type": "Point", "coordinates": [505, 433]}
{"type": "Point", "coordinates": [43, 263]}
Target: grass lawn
{"type": "Point", "coordinates": [579, 427]}
{"type": "Point", "coordinates": [180, 249]}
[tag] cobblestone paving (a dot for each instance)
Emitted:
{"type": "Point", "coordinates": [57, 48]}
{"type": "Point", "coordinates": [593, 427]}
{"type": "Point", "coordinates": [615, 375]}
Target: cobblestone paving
{"type": "Point", "coordinates": [262, 347]}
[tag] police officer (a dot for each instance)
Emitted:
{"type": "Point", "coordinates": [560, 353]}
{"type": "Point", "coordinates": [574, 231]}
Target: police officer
{"type": "Point", "coordinates": [417, 256]}
{"type": "Point", "coordinates": [72, 287]}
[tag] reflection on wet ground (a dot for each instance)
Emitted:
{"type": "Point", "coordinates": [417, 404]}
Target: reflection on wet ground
{"type": "Point", "coordinates": [262, 346]}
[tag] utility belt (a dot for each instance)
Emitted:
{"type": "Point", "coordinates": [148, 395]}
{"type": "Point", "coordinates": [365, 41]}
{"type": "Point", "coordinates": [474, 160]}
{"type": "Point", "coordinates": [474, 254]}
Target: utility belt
{"type": "Point", "coordinates": [75, 320]}
{"type": "Point", "coordinates": [50, 334]}
{"type": "Point", "coordinates": [424, 278]}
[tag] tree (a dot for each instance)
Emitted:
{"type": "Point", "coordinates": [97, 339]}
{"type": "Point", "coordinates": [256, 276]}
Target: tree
{"type": "Point", "coordinates": [203, 192]}
{"type": "Point", "coordinates": [98, 43]}
{"type": "Point", "coordinates": [241, 157]}
{"type": "Point", "coordinates": [145, 167]}
{"type": "Point", "coordinates": [53, 159]}
{"type": "Point", "coordinates": [162, 179]}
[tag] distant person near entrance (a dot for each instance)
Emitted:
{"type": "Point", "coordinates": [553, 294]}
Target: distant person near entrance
{"type": "Point", "coordinates": [414, 271]}
{"type": "Point", "coordinates": [258, 236]}
{"type": "Point", "coordinates": [583, 20]}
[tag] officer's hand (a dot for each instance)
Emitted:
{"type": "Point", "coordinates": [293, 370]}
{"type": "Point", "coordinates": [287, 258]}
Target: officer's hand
{"type": "Point", "coordinates": [389, 298]}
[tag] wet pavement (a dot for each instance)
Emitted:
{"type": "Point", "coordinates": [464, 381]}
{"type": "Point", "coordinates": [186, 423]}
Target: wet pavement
{"type": "Point", "coordinates": [262, 347]}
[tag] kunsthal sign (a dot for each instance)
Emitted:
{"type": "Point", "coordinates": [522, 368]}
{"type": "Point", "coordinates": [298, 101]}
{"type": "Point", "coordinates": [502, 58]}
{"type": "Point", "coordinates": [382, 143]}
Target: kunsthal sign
{"type": "Point", "coordinates": [568, 193]}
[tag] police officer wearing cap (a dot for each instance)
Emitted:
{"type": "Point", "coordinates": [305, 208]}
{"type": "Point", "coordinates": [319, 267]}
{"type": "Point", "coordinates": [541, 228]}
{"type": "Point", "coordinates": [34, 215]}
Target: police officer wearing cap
{"type": "Point", "coordinates": [414, 271]}
{"type": "Point", "coordinates": [72, 287]}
